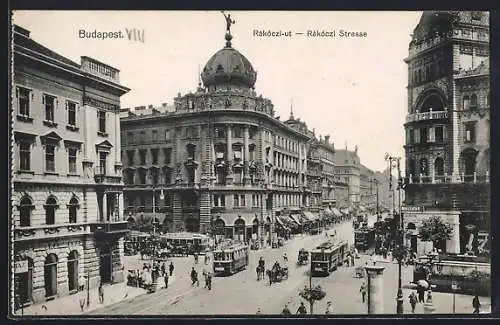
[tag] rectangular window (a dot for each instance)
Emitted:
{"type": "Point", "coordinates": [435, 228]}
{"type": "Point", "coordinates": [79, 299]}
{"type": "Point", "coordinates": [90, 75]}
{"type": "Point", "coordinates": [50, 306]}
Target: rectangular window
{"type": "Point", "coordinates": [142, 137]}
{"type": "Point", "coordinates": [167, 152]}
{"type": "Point", "coordinates": [242, 201]}
{"type": "Point", "coordinates": [101, 116]}
{"type": "Point", "coordinates": [23, 97]}
{"type": "Point", "coordinates": [423, 135]}
{"type": "Point", "coordinates": [154, 154]}
{"type": "Point", "coordinates": [49, 102]}
{"type": "Point", "coordinates": [142, 156]}
{"type": "Point", "coordinates": [71, 113]}
{"type": "Point", "coordinates": [439, 134]}
{"type": "Point", "coordinates": [24, 156]}
{"type": "Point", "coordinates": [50, 158]}
{"type": "Point", "coordinates": [130, 157]}
{"type": "Point", "coordinates": [130, 138]}
{"type": "Point", "coordinates": [167, 134]}
{"type": "Point", "coordinates": [102, 162]}
{"type": "Point", "coordinates": [470, 132]}
{"type": "Point", "coordinates": [411, 136]}
{"type": "Point", "coordinates": [155, 136]}
{"type": "Point", "coordinates": [72, 161]}
{"type": "Point", "coordinates": [236, 200]}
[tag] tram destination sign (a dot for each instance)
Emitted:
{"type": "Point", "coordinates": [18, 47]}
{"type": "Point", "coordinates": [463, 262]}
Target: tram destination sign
{"type": "Point", "coordinates": [412, 209]}
{"type": "Point", "coordinates": [20, 267]}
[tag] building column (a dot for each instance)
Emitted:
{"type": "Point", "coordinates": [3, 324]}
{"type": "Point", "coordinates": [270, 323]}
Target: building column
{"type": "Point", "coordinates": [104, 215]}
{"type": "Point", "coordinates": [120, 206]}
{"type": "Point", "coordinates": [455, 172]}
{"type": "Point", "coordinates": [118, 156]}
{"type": "Point", "coordinates": [205, 211]}
{"type": "Point", "coordinates": [246, 156]}
{"type": "Point", "coordinates": [229, 150]}
{"type": "Point", "coordinates": [453, 244]}
{"type": "Point", "coordinates": [375, 287]}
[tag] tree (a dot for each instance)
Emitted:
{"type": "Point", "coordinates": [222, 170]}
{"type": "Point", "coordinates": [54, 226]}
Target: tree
{"type": "Point", "coordinates": [435, 230]}
{"type": "Point", "coordinates": [312, 295]}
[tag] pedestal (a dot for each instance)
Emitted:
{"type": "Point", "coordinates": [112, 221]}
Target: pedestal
{"type": "Point", "coordinates": [375, 289]}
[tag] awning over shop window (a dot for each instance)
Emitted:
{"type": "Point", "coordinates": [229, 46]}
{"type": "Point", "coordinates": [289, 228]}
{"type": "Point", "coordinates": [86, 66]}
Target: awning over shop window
{"type": "Point", "coordinates": [336, 212]}
{"type": "Point", "coordinates": [309, 216]}
{"type": "Point", "coordinates": [295, 218]}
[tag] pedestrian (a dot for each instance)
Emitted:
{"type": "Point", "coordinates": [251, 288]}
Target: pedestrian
{"type": "Point", "coordinates": [194, 275]}
{"type": "Point", "coordinates": [165, 278]}
{"type": "Point", "coordinates": [328, 310]}
{"type": "Point", "coordinates": [196, 258]}
{"type": "Point", "coordinates": [353, 260]}
{"type": "Point", "coordinates": [285, 258]}
{"type": "Point", "coordinates": [171, 268]}
{"type": "Point", "coordinates": [302, 309]}
{"type": "Point", "coordinates": [101, 293]}
{"type": "Point", "coordinates": [429, 297]}
{"type": "Point", "coordinates": [362, 289]}
{"type": "Point", "coordinates": [286, 311]}
{"type": "Point", "coordinates": [476, 305]}
{"type": "Point", "coordinates": [206, 258]}
{"type": "Point", "coordinates": [413, 301]}
{"type": "Point", "coordinates": [163, 268]}
{"type": "Point", "coordinates": [421, 294]}
{"type": "Point", "coordinates": [82, 303]}
{"type": "Point", "coordinates": [209, 280]}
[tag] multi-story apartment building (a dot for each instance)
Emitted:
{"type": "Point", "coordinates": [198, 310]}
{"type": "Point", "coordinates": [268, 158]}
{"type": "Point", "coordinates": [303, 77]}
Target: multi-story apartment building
{"type": "Point", "coordinates": [347, 169]}
{"type": "Point", "coordinates": [66, 220]}
{"type": "Point", "coordinates": [224, 163]}
{"type": "Point", "coordinates": [447, 127]}
{"type": "Point", "coordinates": [367, 188]}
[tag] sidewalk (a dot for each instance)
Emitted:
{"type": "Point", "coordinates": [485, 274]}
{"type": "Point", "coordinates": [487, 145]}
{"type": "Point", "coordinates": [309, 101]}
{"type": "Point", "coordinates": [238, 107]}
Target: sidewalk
{"type": "Point", "coordinates": [70, 305]}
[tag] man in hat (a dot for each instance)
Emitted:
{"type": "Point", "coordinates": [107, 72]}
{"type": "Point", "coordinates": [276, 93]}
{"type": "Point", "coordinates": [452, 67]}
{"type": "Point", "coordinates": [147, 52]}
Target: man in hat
{"type": "Point", "coordinates": [286, 311]}
{"type": "Point", "coordinates": [302, 309]}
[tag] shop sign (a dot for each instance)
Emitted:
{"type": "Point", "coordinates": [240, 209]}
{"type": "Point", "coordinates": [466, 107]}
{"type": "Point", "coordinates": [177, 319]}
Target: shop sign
{"type": "Point", "coordinates": [20, 267]}
{"type": "Point", "coordinates": [412, 209]}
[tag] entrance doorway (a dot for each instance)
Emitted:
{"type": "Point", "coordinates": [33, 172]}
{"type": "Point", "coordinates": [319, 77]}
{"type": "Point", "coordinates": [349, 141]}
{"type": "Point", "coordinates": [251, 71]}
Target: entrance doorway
{"type": "Point", "coordinates": [73, 271]}
{"type": "Point", "coordinates": [105, 264]}
{"type": "Point", "coordinates": [50, 275]}
{"type": "Point", "coordinates": [25, 281]}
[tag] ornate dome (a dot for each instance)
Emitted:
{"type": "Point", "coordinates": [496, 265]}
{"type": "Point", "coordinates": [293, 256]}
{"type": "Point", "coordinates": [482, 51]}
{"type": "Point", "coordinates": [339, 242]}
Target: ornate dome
{"type": "Point", "coordinates": [228, 66]}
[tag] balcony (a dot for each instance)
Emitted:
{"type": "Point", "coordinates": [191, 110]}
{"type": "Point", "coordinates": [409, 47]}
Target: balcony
{"type": "Point", "coordinates": [49, 231]}
{"type": "Point", "coordinates": [447, 179]}
{"type": "Point", "coordinates": [118, 227]}
{"type": "Point", "coordinates": [426, 116]}
{"type": "Point", "coordinates": [101, 176]}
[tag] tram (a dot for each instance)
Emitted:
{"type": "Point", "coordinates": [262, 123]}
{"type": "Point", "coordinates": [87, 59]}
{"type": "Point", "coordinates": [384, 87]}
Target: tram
{"type": "Point", "coordinates": [230, 259]}
{"type": "Point", "coordinates": [328, 256]}
{"type": "Point", "coordinates": [364, 238]}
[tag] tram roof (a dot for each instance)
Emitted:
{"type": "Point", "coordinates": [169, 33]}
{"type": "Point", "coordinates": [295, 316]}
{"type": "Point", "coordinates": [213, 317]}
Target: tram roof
{"type": "Point", "coordinates": [329, 245]}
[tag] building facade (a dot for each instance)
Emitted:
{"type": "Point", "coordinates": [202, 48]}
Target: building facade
{"type": "Point", "coordinates": [347, 169]}
{"type": "Point", "coordinates": [447, 127]}
{"type": "Point", "coordinates": [66, 220]}
{"type": "Point", "coordinates": [220, 162]}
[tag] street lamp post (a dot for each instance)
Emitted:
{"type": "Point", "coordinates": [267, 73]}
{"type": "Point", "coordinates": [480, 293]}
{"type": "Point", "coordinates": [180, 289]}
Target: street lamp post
{"type": "Point", "coordinates": [394, 162]}
{"type": "Point", "coordinates": [88, 289]}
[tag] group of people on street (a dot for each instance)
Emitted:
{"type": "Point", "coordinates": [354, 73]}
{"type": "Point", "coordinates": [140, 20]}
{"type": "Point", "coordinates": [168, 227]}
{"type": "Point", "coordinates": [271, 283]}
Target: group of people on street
{"type": "Point", "coordinates": [303, 311]}
{"type": "Point", "coordinates": [207, 277]}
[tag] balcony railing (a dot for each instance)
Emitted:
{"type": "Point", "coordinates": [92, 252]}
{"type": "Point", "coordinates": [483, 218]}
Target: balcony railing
{"type": "Point", "coordinates": [110, 227]}
{"type": "Point", "coordinates": [101, 176]}
{"type": "Point", "coordinates": [49, 231]}
{"type": "Point", "coordinates": [446, 179]}
{"type": "Point", "coordinates": [427, 116]}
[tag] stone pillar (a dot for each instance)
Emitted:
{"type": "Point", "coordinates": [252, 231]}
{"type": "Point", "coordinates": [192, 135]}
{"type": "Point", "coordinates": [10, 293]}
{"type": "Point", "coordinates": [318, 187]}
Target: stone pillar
{"type": "Point", "coordinates": [104, 215]}
{"type": "Point", "coordinates": [229, 150]}
{"type": "Point", "coordinates": [375, 289]}
{"type": "Point", "coordinates": [120, 206]}
{"type": "Point", "coordinates": [453, 244]}
{"type": "Point", "coordinates": [246, 157]}
{"type": "Point", "coordinates": [455, 144]}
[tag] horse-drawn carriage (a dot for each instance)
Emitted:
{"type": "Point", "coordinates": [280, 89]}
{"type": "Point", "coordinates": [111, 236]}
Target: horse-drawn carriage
{"type": "Point", "coordinates": [303, 257]}
{"type": "Point", "coordinates": [277, 273]}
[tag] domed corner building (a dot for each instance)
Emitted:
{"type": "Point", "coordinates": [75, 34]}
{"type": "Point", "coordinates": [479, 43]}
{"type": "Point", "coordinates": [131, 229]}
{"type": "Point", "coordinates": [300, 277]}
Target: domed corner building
{"type": "Point", "coordinates": [225, 164]}
{"type": "Point", "coordinates": [447, 128]}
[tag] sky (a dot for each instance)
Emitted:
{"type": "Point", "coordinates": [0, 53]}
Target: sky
{"type": "Point", "coordinates": [353, 89]}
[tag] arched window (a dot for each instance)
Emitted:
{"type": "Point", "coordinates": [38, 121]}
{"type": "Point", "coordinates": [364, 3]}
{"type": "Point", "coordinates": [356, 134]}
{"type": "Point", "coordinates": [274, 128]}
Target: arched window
{"type": "Point", "coordinates": [219, 227]}
{"type": "Point", "coordinates": [50, 275]}
{"type": "Point", "coordinates": [191, 148]}
{"type": "Point", "coordinates": [50, 211]}
{"type": "Point", "coordinates": [465, 103]}
{"type": "Point", "coordinates": [73, 209]}
{"type": "Point", "coordinates": [424, 168]}
{"type": "Point", "coordinates": [73, 271]}
{"type": "Point", "coordinates": [473, 101]}
{"type": "Point", "coordinates": [25, 207]}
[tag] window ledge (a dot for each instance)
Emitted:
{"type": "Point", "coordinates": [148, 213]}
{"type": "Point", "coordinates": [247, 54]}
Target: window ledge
{"type": "Point", "coordinates": [51, 173]}
{"type": "Point", "coordinates": [102, 134]}
{"type": "Point", "coordinates": [24, 118]}
{"type": "Point", "coordinates": [73, 175]}
{"type": "Point", "coordinates": [26, 172]}
{"type": "Point", "coordinates": [72, 128]}
{"type": "Point", "coordinates": [50, 124]}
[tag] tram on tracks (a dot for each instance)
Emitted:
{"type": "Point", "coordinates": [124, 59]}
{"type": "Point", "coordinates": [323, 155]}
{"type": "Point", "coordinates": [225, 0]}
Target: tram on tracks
{"type": "Point", "coordinates": [230, 259]}
{"type": "Point", "coordinates": [326, 257]}
{"type": "Point", "coordinates": [364, 238]}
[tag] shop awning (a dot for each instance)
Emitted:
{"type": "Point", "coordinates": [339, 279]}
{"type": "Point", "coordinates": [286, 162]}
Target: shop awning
{"type": "Point", "coordinates": [310, 216]}
{"type": "Point", "coordinates": [295, 218]}
{"type": "Point", "coordinates": [362, 208]}
{"type": "Point", "coordinates": [336, 212]}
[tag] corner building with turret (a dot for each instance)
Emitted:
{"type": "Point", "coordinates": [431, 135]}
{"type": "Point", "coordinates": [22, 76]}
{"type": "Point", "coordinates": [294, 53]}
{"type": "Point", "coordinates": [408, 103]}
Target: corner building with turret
{"type": "Point", "coordinates": [219, 161]}
{"type": "Point", "coordinates": [447, 128]}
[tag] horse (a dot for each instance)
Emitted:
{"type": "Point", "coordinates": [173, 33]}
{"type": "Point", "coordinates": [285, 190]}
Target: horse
{"type": "Point", "coordinates": [260, 272]}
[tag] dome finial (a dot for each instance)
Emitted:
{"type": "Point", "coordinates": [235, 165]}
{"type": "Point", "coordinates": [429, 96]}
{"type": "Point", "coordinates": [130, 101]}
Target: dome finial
{"type": "Point", "coordinates": [291, 109]}
{"type": "Point", "coordinates": [229, 22]}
